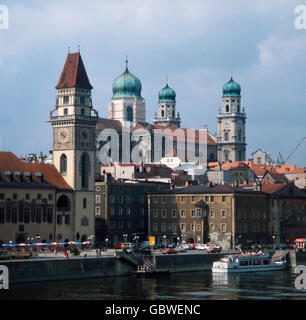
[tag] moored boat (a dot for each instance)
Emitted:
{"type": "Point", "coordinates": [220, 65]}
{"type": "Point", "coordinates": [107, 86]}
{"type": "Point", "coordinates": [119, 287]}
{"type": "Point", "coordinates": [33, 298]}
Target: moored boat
{"type": "Point", "coordinates": [249, 262]}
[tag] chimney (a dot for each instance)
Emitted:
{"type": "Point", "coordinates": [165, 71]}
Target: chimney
{"type": "Point", "coordinates": [258, 186]}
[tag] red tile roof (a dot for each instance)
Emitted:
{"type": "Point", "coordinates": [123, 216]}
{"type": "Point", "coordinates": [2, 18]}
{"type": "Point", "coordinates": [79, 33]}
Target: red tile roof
{"type": "Point", "coordinates": [74, 73]}
{"type": "Point", "coordinates": [9, 162]}
{"type": "Point", "coordinates": [289, 168]}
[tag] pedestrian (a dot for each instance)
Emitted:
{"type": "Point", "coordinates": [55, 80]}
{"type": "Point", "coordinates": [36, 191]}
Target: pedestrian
{"type": "Point", "coordinates": [85, 253]}
{"type": "Point", "coordinates": [68, 254]}
{"type": "Point", "coordinates": [97, 253]}
{"type": "Point", "coordinates": [64, 253]}
{"type": "Point", "coordinates": [100, 253]}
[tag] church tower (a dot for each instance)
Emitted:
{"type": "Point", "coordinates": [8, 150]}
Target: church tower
{"type": "Point", "coordinates": [126, 104]}
{"type": "Point", "coordinates": [166, 108]}
{"type": "Point", "coordinates": [231, 138]}
{"type": "Point", "coordinates": [74, 142]}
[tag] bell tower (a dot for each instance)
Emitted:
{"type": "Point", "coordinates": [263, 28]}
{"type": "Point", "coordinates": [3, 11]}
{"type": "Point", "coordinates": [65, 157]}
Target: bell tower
{"type": "Point", "coordinates": [231, 138]}
{"type": "Point", "coordinates": [74, 140]}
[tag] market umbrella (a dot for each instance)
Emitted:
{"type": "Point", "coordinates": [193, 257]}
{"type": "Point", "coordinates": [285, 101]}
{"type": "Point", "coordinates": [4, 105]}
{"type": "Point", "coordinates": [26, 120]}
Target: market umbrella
{"type": "Point", "coordinates": [86, 242]}
{"type": "Point", "coordinates": [71, 242]}
{"type": "Point", "coordinates": [22, 245]}
{"type": "Point", "coordinates": [54, 243]}
{"type": "Point", "coordinates": [9, 244]}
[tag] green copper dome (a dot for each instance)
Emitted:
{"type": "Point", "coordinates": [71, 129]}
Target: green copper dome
{"type": "Point", "coordinates": [127, 86]}
{"type": "Point", "coordinates": [167, 94]}
{"type": "Point", "coordinates": [231, 89]}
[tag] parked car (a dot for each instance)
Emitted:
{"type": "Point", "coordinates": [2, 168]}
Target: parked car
{"type": "Point", "coordinates": [181, 249]}
{"type": "Point", "coordinates": [201, 246]}
{"type": "Point", "coordinates": [169, 251]}
{"type": "Point", "coordinates": [213, 249]}
{"type": "Point", "coordinates": [290, 245]}
{"type": "Point", "coordinates": [120, 245]}
{"type": "Point", "coordinates": [171, 245]}
{"type": "Point", "coordinates": [128, 244]}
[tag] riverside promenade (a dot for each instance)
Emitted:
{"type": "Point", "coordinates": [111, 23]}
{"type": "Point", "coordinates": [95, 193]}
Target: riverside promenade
{"type": "Point", "coordinates": [50, 266]}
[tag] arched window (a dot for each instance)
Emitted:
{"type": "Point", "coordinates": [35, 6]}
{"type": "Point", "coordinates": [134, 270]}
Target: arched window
{"type": "Point", "coordinates": [163, 146]}
{"type": "Point", "coordinates": [227, 108]}
{"type": "Point", "coordinates": [84, 170]}
{"type": "Point", "coordinates": [226, 136]}
{"type": "Point", "coordinates": [173, 113]}
{"type": "Point", "coordinates": [63, 203]}
{"type": "Point", "coordinates": [226, 155]}
{"type": "Point", "coordinates": [238, 109]}
{"type": "Point", "coordinates": [129, 114]}
{"type": "Point", "coordinates": [239, 135]}
{"type": "Point", "coordinates": [162, 113]}
{"type": "Point", "coordinates": [63, 163]}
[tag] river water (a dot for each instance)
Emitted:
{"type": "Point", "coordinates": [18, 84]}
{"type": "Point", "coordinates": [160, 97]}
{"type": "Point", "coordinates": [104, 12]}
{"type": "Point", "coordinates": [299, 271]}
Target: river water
{"type": "Point", "coordinates": [182, 286]}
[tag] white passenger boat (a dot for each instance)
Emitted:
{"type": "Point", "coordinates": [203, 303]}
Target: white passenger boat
{"type": "Point", "coordinates": [249, 262]}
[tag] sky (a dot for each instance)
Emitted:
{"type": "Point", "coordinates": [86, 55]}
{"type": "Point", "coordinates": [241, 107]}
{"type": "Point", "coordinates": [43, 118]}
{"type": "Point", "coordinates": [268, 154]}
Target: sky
{"type": "Point", "coordinates": [196, 44]}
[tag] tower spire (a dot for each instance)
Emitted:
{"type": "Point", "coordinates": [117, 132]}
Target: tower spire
{"type": "Point", "coordinates": [126, 62]}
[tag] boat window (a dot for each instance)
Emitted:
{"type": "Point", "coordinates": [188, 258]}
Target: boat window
{"type": "Point", "coordinates": [257, 262]}
{"type": "Point", "coordinates": [266, 262]}
{"type": "Point", "coordinates": [244, 263]}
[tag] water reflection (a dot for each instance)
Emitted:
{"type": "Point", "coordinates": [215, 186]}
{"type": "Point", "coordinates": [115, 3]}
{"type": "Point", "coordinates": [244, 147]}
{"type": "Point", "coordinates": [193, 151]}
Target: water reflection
{"type": "Point", "coordinates": [193, 285]}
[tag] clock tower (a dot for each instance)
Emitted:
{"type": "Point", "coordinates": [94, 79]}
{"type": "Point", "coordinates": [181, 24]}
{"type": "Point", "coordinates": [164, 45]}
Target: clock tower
{"type": "Point", "coordinates": [73, 120]}
{"type": "Point", "coordinates": [231, 137]}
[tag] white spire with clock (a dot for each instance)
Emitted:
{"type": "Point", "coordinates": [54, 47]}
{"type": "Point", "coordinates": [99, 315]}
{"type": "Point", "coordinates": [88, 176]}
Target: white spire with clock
{"type": "Point", "coordinates": [74, 140]}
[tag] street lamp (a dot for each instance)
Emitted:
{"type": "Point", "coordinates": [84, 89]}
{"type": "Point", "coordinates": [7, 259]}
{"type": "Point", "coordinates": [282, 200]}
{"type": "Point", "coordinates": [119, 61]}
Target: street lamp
{"type": "Point", "coordinates": [125, 237]}
{"type": "Point", "coordinates": [164, 236]}
{"type": "Point", "coordinates": [178, 240]}
{"type": "Point", "coordinates": [106, 240]}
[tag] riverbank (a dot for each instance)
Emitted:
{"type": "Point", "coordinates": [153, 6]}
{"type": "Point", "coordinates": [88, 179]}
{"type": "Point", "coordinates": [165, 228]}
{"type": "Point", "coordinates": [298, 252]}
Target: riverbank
{"type": "Point", "coordinates": [56, 268]}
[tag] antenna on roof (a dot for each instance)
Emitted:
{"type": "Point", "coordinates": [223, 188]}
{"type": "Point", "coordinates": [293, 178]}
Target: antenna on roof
{"type": "Point", "coordinates": [166, 79]}
{"type": "Point", "coordinates": [126, 60]}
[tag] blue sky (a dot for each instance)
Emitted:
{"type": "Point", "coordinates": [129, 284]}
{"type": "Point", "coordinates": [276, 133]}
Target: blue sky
{"type": "Point", "coordinates": [196, 43]}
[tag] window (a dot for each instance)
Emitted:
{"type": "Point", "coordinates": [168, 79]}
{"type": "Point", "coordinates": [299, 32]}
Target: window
{"type": "Point", "coordinates": [84, 203]}
{"type": "Point", "coordinates": [82, 100]}
{"type": "Point", "coordinates": [26, 215]}
{"type": "Point", "coordinates": [223, 227]}
{"type": "Point", "coordinates": [193, 199]}
{"type": "Point", "coordinates": [174, 199]}
{"type": "Point", "coordinates": [164, 213]}
{"type": "Point", "coordinates": [182, 199]}
{"type": "Point", "coordinates": [212, 199]}
{"type": "Point", "coordinates": [39, 196]}
{"type": "Point", "coordinates": [14, 215]}
{"type": "Point", "coordinates": [239, 135]}
{"type": "Point", "coordinates": [129, 114]}
{"type": "Point", "coordinates": [174, 213]}
{"type": "Point", "coordinates": [212, 213]}
{"type": "Point", "coordinates": [163, 227]}
{"type": "Point", "coordinates": [226, 136]}
{"type": "Point", "coordinates": [38, 215]}
{"type": "Point", "coordinates": [206, 198]}
{"type": "Point", "coordinates": [85, 170]}
{"type": "Point", "coordinates": [98, 198]}
{"type": "Point", "coordinates": [227, 108]}
{"type": "Point", "coordinates": [211, 228]}
{"type": "Point", "coordinates": [183, 214]}
{"type": "Point", "coordinates": [67, 219]}
{"type": "Point", "coordinates": [223, 213]}
{"type": "Point", "coordinates": [15, 196]}
{"type": "Point", "coordinates": [65, 111]}
{"type": "Point", "coordinates": [66, 99]}
{"type": "Point", "coordinates": [155, 227]}
{"type": "Point", "coordinates": [198, 227]}
{"type": "Point", "coordinates": [183, 227]}
{"type": "Point", "coordinates": [223, 198]}
{"type": "Point", "coordinates": [155, 213]}
{"type": "Point", "coordinates": [120, 211]}
{"type": "Point", "coordinates": [50, 196]}
{"type": "Point", "coordinates": [112, 211]}
{"type": "Point", "coordinates": [199, 213]}
{"type": "Point", "coordinates": [63, 163]}
{"type": "Point", "coordinates": [174, 227]}
{"type": "Point", "coordinates": [2, 195]}
{"type": "Point", "coordinates": [2, 219]}
{"type": "Point", "coordinates": [155, 199]}
{"type": "Point", "coordinates": [164, 199]}
{"type": "Point", "coordinates": [49, 215]}
{"type": "Point", "coordinates": [193, 213]}
{"type": "Point", "coordinates": [98, 211]}
{"type": "Point", "coordinates": [128, 212]}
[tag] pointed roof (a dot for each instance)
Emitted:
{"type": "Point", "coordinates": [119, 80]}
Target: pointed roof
{"type": "Point", "coordinates": [74, 73]}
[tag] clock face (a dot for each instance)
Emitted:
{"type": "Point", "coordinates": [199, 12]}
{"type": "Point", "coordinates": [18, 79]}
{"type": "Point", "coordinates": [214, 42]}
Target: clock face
{"type": "Point", "coordinates": [226, 123]}
{"type": "Point", "coordinates": [63, 135]}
